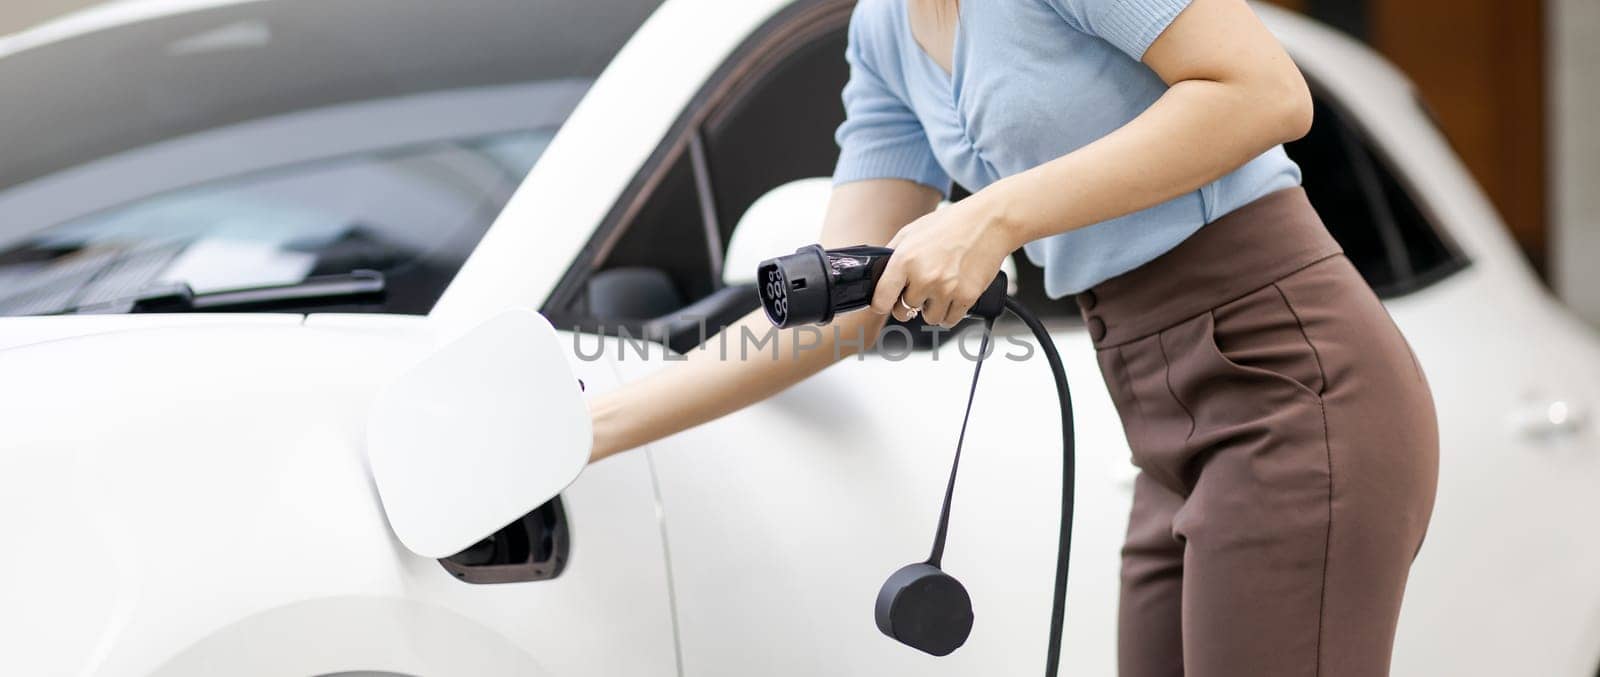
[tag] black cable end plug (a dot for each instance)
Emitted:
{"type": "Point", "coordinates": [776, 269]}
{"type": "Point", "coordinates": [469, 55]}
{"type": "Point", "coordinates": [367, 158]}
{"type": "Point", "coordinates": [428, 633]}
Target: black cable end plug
{"type": "Point", "coordinates": [925, 608]}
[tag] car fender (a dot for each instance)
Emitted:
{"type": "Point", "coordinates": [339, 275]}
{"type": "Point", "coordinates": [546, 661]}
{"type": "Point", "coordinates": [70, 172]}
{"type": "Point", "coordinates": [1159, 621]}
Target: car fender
{"type": "Point", "coordinates": [166, 482]}
{"type": "Point", "coordinates": [372, 635]}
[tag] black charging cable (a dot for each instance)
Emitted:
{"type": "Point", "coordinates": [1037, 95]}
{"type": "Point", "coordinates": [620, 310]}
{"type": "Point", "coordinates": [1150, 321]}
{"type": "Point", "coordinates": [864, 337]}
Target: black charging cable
{"type": "Point", "coordinates": [936, 558]}
{"type": "Point", "coordinates": [1068, 464]}
{"type": "Point", "coordinates": [920, 605]}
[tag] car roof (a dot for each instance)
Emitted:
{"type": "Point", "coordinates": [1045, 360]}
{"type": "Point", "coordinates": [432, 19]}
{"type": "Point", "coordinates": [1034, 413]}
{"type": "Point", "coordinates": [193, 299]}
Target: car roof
{"type": "Point", "coordinates": [139, 73]}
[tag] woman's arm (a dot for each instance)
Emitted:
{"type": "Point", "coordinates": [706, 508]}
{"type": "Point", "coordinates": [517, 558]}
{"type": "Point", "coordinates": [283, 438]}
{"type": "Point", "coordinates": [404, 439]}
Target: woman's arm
{"type": "Point", "coordinates": [1233, 94]}
{"type": "Point", "coordinates": [706, 387]}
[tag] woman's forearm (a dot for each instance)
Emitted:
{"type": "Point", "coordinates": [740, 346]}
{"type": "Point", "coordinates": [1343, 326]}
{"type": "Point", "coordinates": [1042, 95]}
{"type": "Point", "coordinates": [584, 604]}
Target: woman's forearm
{"type": "Point", "coordinates": [1195, 134]}
{"type": "Point", "coordinates": [710, 385]}
{"type": "Point", "coordinates": [1233, 94]}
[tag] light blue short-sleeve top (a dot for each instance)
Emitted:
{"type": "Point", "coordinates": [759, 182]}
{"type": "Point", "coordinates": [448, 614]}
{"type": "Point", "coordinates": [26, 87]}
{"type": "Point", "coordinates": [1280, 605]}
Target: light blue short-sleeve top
{"type": "Point", "coordinates": [1032, 80]}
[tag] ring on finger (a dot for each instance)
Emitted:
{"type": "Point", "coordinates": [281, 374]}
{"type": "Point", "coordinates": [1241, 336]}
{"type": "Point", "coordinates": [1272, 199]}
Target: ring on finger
{"type": "Point", "coordinates": [910, 311]}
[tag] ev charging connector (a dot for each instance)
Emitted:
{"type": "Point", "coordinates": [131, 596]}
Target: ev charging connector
{"type": "Point", "coordinates": [813, 284]}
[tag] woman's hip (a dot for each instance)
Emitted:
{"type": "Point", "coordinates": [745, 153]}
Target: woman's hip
{"type": "Point", "coordinates": [1257, 338]}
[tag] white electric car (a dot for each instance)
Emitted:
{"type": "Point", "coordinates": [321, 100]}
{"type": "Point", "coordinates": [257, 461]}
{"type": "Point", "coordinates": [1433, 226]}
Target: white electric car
{"type": "Point", "coordinates": [263, 372]}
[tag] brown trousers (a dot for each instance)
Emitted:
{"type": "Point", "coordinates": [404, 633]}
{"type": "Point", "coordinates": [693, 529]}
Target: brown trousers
{"type": "Point", "coordinates": [1288, 451]}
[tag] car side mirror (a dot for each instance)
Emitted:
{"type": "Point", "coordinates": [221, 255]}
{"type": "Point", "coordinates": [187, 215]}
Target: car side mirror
{"type": "Point", "coordinates": [481, 432]}
{"type": "Point", "coordinates": [786, 218]}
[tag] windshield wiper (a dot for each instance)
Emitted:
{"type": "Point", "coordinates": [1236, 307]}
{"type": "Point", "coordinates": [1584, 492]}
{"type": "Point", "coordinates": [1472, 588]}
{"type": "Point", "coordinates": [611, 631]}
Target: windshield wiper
{"type": "Point", "coordinates": [355, 286]}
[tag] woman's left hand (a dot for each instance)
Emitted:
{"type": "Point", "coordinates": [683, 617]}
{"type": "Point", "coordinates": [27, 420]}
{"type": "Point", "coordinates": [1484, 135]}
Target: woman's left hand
{"type": "Point", "coordinates": [944, 261]}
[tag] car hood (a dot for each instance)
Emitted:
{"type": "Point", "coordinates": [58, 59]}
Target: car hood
{"type": "Point", "coordinates": [82, 373]}
{"type": "Point", "coordinates": [16, 332]}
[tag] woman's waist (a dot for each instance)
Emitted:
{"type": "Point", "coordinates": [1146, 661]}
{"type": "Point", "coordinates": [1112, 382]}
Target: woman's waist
{"type": "Point", "coordinates": [1245, 250]}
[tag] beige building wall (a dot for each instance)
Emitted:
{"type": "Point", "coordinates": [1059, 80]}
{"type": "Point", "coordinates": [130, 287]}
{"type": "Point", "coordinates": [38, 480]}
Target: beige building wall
{"type": "Point", "coordinates": [16, 15]}
{"type": "Point", "coordinates": [1575, 154]}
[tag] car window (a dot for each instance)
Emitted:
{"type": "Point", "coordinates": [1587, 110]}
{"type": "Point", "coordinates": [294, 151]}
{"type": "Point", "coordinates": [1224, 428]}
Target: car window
{"type": "Point", "coordinates": [772, 125]}
{"type": "Point", "coordinates": [1367, 208]}
{"type": "Point", "coordinates": [411, 213]}
{"type": "Point", "coordinates": [775, 129]}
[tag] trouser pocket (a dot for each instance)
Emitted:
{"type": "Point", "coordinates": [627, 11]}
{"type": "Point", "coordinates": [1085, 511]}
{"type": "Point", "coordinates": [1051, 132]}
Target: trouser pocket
{"type": "Point", "coordinates": [1239, 369]}
{"type": "Point", "coordinates": [1259, 336]}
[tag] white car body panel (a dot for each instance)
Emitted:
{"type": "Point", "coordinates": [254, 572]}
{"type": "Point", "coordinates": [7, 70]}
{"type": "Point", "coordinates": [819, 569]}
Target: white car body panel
{"type": "Point", "coordinates": [233, 541]}
{"type": "Point", "coordinates": [782, 520]}
{"type": "Point", "coordinates": [23, 331]}
{"type": "Point", "coordinates": [786, 518]}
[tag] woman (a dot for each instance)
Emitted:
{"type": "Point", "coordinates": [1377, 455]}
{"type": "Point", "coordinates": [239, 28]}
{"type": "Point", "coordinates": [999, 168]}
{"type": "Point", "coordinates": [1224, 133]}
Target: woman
{"type": "Point", "coordinates": [1285, 434]}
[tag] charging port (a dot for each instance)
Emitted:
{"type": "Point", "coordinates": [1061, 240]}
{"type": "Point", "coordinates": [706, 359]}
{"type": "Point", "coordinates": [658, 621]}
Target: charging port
{"type": "Point", "coordinates": [533, 548]}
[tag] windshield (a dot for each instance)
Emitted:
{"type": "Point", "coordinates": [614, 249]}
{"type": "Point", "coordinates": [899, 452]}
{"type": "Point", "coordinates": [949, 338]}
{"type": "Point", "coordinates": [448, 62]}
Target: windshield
{"type": "Point", "coordinates": [412, 213]}
{"type": "Point", "coordinates": [242, 145]}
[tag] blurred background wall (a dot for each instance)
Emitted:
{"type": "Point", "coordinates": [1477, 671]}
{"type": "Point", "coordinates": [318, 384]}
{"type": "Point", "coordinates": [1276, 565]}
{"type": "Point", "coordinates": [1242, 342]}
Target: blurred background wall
{"type": "Point", "coordinates": [1575, 149]}
{"type": "Point", "coordinates": [1512, 82]}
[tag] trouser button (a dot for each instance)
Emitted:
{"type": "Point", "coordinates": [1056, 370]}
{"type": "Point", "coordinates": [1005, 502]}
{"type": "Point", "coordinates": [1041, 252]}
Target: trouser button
{"type": "Point", "coordinates": [1097, 329]}
{"type": "Point", "coordinates": [1087, 298]}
